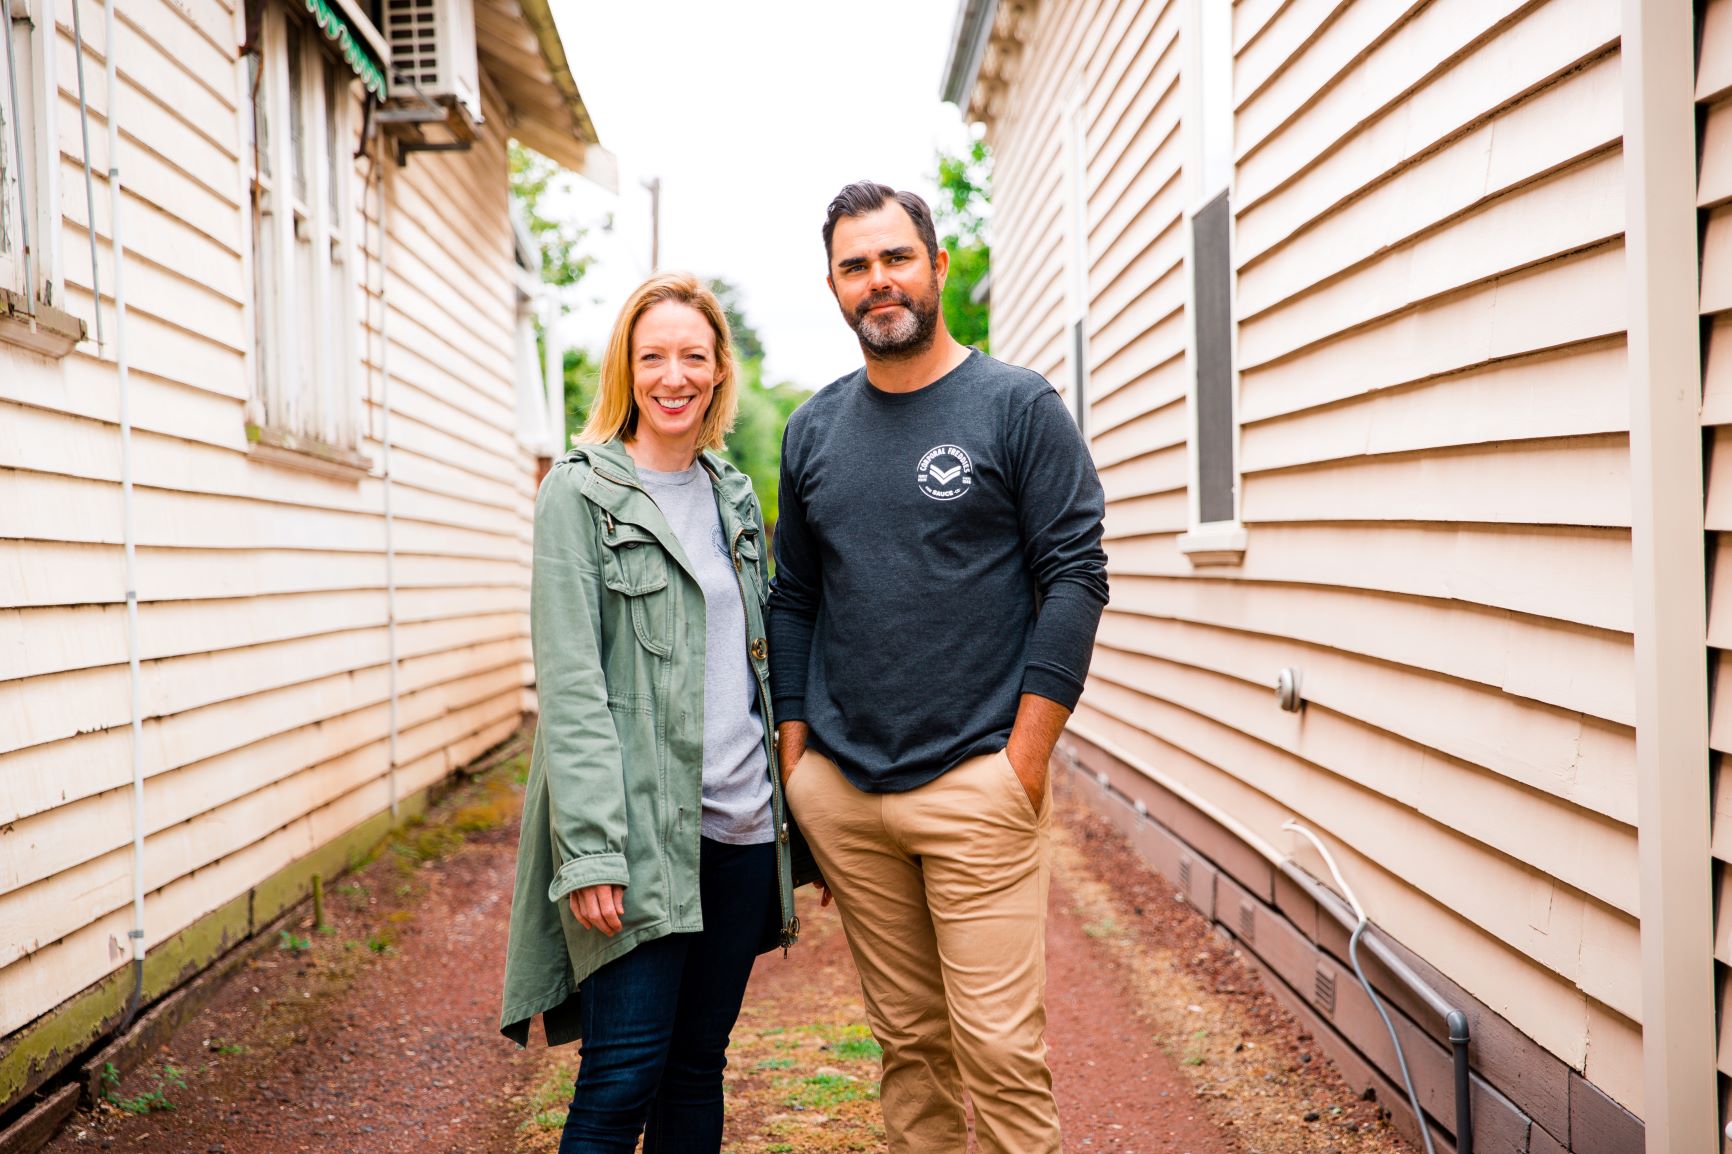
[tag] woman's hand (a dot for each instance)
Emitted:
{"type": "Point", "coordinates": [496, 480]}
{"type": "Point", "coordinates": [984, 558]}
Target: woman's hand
{"type": "Point", "coordinates": [599, 908]}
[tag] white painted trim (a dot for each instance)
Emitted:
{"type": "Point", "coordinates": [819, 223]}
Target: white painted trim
{"type": "Point", "coordinates": [249, 313]}
{"type": "Point", "coordinates": [1073, 131]}
{"type": "Point", "coordinates": [50, 282]}
{"type": "Point", "coordinates": [1679, 1086]}
{"type": "Point", "coordinates": [1218, 543]}
{"type": "Point", "coordinates": [1205, 538]}
{"type": "Point", "coordinates": [34, 41]}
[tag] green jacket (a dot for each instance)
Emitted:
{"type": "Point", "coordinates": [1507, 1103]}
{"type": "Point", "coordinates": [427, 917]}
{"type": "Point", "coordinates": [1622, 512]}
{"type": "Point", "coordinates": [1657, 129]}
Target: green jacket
{"type": "Point", "coordinates": [615, 791]}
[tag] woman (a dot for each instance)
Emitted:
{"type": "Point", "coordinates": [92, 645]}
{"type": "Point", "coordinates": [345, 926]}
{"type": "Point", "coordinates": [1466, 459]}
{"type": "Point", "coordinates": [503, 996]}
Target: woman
{"type": "Point", "coordinates": [653, 865]}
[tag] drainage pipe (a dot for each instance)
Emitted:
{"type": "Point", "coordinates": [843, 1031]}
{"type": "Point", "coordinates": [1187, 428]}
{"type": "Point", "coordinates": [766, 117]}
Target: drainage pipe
{"type": "Point", "coordinates": [1363, 923]}
{"type": "Point", "coordinates": [128, 532]}
{"type": "Point", "coordinates": [1349, 916]}
{"type": "Point", "coordinates": [385, 465]}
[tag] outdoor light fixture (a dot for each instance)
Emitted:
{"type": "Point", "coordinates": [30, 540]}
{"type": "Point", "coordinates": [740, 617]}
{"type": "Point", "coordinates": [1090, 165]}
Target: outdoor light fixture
{"type": "Point", "coordinates": [1287, 690]}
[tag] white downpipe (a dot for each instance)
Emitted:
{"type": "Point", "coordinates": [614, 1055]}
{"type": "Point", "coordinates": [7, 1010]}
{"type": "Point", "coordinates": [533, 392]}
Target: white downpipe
{"type": "Point", "coordinates": [385, 463]}
{"type": "Point", "coordinates": [128, 534]}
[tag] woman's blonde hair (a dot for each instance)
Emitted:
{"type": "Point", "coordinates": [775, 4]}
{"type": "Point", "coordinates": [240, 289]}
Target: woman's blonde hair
{"type": "Point", "coordinates": [614, 413]}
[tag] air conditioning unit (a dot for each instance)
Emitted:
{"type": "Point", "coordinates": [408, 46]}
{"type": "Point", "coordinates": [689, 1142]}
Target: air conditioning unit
{"type": "Point", "coordinates": [433, 50]}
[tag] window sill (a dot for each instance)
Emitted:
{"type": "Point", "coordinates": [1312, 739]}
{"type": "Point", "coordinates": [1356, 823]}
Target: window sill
{"type": "Point", "coordinates": [293, 451]}
{"type": "Point", "coordinates": [50, 332]}
{"type": "Point", "coordinates": [1222, 543]}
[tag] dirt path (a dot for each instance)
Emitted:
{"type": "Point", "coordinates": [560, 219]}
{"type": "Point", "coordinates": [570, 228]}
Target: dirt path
{"type": "Point", "coordinates": [374, 1036]}
{"type": "Point", "coordinates": [379, 1034]}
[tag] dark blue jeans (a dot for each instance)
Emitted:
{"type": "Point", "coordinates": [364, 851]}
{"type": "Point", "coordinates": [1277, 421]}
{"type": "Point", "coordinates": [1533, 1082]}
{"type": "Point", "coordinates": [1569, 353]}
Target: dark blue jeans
{"type": "Point", "coordinates": [656, 1021]}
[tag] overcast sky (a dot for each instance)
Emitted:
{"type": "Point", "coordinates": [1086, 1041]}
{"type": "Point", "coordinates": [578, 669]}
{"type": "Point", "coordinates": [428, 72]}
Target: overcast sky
{"type": "Point", "coordinates": [753, 114]}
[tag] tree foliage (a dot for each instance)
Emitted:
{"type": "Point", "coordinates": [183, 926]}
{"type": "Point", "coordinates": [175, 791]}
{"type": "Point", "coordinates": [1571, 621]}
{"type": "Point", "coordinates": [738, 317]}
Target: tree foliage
{"type": "Point", "coordinates": [559, 241]}
{"type": "Point", "coordinates": [755, 445]}
{"type": "Point", "coordinates": [961, 214]}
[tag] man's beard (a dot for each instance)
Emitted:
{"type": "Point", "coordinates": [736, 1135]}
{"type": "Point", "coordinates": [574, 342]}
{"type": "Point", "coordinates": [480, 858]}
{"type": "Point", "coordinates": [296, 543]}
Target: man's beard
{"type": "Point", "coordinates": [897, 335]}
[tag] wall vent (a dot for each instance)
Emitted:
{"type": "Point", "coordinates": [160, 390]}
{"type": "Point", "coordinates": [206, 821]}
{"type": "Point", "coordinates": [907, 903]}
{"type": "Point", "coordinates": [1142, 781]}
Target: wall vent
{"type": "Point", "coordinates": [1185, 875]}
{"type": "Point", "coordinates": [1323, 989]}
{"type": "Point", "coordinates": [1247, 921]}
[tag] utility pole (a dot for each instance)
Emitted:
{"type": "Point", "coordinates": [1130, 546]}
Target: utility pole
{"type": "Point", "coordinates": [654, 184]}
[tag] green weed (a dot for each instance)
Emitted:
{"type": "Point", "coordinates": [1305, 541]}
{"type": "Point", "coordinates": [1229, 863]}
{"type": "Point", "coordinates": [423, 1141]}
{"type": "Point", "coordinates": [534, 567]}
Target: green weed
{"type": "Point", "coordinates": [154, 1099]}
{"type": "Point", "coordinates": [827, 1091]}
{"type": "Point", "coordinates": [293, 943]}
{"type": "Point", "coordinates": [1193, 1056]}
{"type": "Point", "coordinates": [549, 1099]}
{"type": "Point", "coordinates": [857, 1044]}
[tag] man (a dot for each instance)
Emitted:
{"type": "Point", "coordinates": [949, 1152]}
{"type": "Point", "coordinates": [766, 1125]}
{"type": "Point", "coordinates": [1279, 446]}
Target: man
{"type": "Point", "coordinates": [939, 581]}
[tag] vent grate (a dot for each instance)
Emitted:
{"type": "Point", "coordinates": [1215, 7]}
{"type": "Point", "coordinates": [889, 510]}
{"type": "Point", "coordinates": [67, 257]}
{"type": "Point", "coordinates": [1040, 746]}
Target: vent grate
{"type": "Point", "coordinates": [1185, 874]}
{"type": "Point", "coordinates": [412, 31]}
{"type": "Point", "coordinates": [1247, 922]}
{"type": "Point", "coordinates": [1323, 989]}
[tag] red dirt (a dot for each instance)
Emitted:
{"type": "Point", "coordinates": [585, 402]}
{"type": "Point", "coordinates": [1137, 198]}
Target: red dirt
{"type": "Point", "coordinates": [348, 1049]}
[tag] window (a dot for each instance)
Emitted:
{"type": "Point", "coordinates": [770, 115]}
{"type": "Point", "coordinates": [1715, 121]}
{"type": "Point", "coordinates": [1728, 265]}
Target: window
{"type": "Point", "coordinates": [1076, 289]}
{"type": "Point", "coordinates": [1216, 535]}
{"type": "Point", "coordinates": [29, 155]}
{"type": "Point", "coordinates": [303, 262]}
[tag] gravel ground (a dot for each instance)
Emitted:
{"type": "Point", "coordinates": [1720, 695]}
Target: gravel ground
{"type": "Point", "coordinates": [378, 1034]}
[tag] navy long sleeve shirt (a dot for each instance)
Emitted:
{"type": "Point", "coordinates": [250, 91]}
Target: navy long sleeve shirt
{"type": "Point", "coordinates": [938, 555]}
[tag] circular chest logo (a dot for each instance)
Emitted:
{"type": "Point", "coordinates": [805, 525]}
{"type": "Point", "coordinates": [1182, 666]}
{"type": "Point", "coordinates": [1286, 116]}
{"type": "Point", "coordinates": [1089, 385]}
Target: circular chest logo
{"type": "Point", "coordinates": [945, 473]}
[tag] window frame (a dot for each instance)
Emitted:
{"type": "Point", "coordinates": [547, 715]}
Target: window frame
{"type": "Point", "coordinates": [1209, 172]}
{"type": "Point", "coordinates": [1073, 129]}
{"type": "Point", "coordinates": [305, 352]}
{"type": "Point", "coordinates": [37, 172]}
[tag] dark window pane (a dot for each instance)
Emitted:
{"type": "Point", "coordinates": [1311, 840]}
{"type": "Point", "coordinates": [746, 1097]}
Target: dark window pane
{"type": "Point", "coordinates": [297, 113]}
{"type": "Point", "coordinates": [1211, 280]}
{"type": "Point", "coordinates": [1079, 384]}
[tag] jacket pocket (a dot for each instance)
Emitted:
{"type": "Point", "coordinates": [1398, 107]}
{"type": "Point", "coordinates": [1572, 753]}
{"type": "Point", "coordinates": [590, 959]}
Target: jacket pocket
{"type": "Point", "coordinates": [634, 566]}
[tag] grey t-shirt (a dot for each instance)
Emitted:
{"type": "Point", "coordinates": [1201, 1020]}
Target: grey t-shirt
{"type": "Point", "coordinates": [736, 772]}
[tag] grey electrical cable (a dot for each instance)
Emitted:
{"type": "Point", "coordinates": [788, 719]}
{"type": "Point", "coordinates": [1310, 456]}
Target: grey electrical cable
{"type": "Point", "coordinates": [1359, 972]}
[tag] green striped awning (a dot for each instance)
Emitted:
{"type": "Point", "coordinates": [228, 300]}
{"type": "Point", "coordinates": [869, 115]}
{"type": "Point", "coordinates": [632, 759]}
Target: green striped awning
{"type": "Point", "coordinates": [350, 43]}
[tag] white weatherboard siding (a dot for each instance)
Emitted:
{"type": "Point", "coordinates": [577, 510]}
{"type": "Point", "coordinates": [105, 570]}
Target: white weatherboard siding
{"type": "Point", "coordinates": [1714, 198]}
{"type": "Point", "coordinates": [263, 610]}
{"type": "Point", "coordinates": [1428, 223]}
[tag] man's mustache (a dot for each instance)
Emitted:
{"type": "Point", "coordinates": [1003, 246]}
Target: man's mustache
{"type": "Point", "coordinates": [892, 296]}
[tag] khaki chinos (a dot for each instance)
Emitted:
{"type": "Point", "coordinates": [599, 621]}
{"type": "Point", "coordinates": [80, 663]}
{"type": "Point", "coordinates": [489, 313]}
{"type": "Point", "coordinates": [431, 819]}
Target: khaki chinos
{"type": "Point", "coordinates": [942, 891]}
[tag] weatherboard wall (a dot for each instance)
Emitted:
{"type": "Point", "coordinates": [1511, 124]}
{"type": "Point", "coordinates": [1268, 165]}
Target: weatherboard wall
{"type": "Point", "coordinates": [262, 588]}
{"type": "Point", "coordinates": [1714, 201]}
{"type": "Point", "coordinates": [1427, 209]}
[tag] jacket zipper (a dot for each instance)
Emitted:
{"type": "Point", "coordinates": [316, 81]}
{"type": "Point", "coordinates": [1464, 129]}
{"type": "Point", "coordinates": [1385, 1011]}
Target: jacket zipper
{"type": "Point", "coordinates": [789, 925]}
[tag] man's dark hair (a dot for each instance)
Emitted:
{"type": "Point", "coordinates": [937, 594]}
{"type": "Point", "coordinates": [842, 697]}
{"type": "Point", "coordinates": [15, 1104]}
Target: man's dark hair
{"type": "Point", "coordinates": [866, 196]}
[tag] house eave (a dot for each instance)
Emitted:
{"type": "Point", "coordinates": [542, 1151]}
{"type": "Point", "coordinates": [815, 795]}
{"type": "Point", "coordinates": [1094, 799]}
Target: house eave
{"type": "Point", "coordinates": [550, 116]}
{"type": "Point", "coordinates": [968, 39]}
